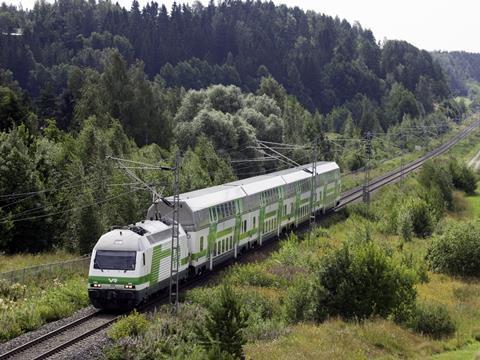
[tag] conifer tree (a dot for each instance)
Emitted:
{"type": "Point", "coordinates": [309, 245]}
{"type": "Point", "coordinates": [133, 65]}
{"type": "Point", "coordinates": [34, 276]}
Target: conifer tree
{"type": "Point", "coordinates": [223, 331]}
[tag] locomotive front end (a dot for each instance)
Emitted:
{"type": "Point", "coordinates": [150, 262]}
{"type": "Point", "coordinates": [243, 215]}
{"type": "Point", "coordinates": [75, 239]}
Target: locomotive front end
{"type": "Point", "coordinates": [118, 276]}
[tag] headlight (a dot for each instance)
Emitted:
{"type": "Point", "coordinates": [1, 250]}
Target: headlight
{"type": "Point", "coordinates": [129, 286]}
{"type": "Point", "coordinates": [95, 285]}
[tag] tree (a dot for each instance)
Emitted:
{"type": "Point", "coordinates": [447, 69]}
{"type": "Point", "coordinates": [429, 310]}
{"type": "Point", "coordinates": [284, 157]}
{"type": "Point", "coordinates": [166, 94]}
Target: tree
{"type": "Point", "coordinates": [11, 109]}
{"type": "Point", "coordinates": [400, 102]}
{"type": "Point", "coordinates": [225, 324]}
{"type": "Point", "coordinates": [25, 221]}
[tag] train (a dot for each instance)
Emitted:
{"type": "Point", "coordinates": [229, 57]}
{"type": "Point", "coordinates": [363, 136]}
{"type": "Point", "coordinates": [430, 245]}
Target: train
{"type": "Point", "coordinates": [129, 264]}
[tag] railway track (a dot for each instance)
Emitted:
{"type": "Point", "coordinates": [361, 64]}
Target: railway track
{"type": "Point", "coordinates": [393, 176]}
{"type": "Point", "coordinates": [58, 340]}
{"type": "Point", "coordinates": [54, 341]}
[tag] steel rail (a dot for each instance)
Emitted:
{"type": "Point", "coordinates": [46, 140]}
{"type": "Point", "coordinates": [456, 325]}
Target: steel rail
{"type": "Point", "coordinates": [49, 335]}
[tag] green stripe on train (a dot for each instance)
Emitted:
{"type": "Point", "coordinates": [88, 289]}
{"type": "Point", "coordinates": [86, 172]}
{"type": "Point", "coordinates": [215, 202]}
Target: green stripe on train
{"type": "Point", "coordinates": [119, 280]}
{"type": "Point", "coordinates": [224, 232]}
{"type": "Point", "coordinates": [157, 256]}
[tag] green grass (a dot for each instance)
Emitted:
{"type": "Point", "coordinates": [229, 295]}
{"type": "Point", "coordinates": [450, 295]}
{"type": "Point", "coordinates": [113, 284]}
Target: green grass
{"type": "Point", "coordinates": [471, 351]}
{"type": "Point", "coordinates": [336, 339]}
{"type": "Point", "coordinates": [25, 308]}
{"type": "Point", "coordinates": [19, 261]}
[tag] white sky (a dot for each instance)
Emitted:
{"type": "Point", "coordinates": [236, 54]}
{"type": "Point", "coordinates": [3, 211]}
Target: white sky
{"type": "Point", "coordinates": [427, 24]}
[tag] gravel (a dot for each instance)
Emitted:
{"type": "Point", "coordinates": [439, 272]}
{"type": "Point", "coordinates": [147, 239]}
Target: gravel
{"type": "Point", "coordinates": [90, 348]}
{"type": "Point", "coordinates": [22, 339]}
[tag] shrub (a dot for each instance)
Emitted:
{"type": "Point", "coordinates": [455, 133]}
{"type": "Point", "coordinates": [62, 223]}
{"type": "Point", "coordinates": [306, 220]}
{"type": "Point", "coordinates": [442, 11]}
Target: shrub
{"type": "Point", "coordinates": [417, 212]}
{"type": "Point", "coordinates": [432, 320]}
{"type": "Point", "coordinates": [364, 210]}
{"type": "Point", "coordinates": [405, 227]}
{"type": "Point", "coordinates": [360, 280]}
{"type": "Point", "coordinates": [434, 175]}
{"type": "Point", "coordinates": [167, 337]}
{"type": "Point", "coordinates": [300, 301]}
{"type": "Point", "coordinates": [463, 177]}
{"type": "Point", "coordinates": [13, 291]}
{"type": "Point", "coordinates": [457, 250]}
{"type": "Point", "coordinates": [288, 253]}
{"type": "Point", "coordinates": [253, 274]}
{"type": "Point", "coordinates": [132, 325]}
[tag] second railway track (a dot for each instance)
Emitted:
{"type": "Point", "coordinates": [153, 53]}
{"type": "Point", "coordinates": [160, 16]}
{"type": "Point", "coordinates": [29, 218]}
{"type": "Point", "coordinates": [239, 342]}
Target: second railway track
{"type": "Point", "coordinates": [58, 340]}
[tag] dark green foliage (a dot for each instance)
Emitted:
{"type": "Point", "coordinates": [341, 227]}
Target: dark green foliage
{"type": "Point", "coordinates": [459, 67]}
{"type": "Point", "coordinates": [225, 324]}
{"type": "Point", "coordinates": [463, 177]}
{"type": "Point", "coordinates": [12, 111]}
{"type": "Point", "coordinates": [400, 102]}
{"type": "Point", "coordinates": [21, 229]}
{"type": "Point", "coordinates": [435, 177]}
{"type": "Point", "coordinates": [420, 216]}
{"type": "Point", "coordinates": [360, 280]}
{"type": "Point", "coordinates": [432, 320]}
{"type": "Point", "coordinates": [324, 62]}
{"type": "Point", "coordinates": [456, 250]}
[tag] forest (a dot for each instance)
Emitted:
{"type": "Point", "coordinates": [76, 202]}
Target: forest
{"type": "Point", "coordinates": [461, 68]}
{"type": "Point", "coordinates": [83, 80]}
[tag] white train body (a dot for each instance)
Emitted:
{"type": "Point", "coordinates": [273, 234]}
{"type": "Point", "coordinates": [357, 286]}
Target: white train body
{"type": "Point", "coordinates": [217, 223]}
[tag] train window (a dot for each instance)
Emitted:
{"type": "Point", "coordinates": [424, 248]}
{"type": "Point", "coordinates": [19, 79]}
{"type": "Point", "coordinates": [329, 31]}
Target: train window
{"type": "Point", "coordinates": [254, 222]}
{"type": "Point", "coordinates": [285, 210]}
{"type": "Point", "coordinates": [114, 260]}
{"type": "Point", "coordinates": [223, 245]}
{"type": "Point", "coordinates": [231, 242]}
{"type": "Point", "coordinates": [143, 259]}
{"type": "Point", "coordinates": [245, 225]}
{"type": "Point", "coordinates": [201, 243]}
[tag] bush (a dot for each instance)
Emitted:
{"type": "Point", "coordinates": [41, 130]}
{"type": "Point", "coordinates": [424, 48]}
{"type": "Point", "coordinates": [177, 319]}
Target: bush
{"type": "Point", "coordinates": [432, 320]}
{"type": "Point", "coordinates": [405, 226]}
{"type": "Point", "coordinates": [361, 280]}
{"type": "Point", "coordinates": [13, 291]}
{"type": "Point", "coordinates": [463, 177]}
{"type": "Point", "coordinates": [434, 175]}
{"type": "Point", "coordinates": [300, 301]}
{"type": "Point", "coordinates": [167, 337]}
{"type": "Point", "coordinates": [132, 325]}
{"type": "Point", "coordinates": [253, 274]}
{"type": "Point", "coordinates": [364, 210]}
{"type": "Point", "coordinates": [418, 212]}
{"type": "Point", "coordinates": [456, 251]}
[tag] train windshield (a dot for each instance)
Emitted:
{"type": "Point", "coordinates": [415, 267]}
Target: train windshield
{"type": "Point", "coordinates": [115, 260]}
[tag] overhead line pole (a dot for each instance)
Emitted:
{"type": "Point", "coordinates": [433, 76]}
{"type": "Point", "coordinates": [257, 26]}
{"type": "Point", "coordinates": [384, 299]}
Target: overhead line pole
{"type": "Point", "coordinates": [175, 258]}
{"type": "Point", "coordinates": [368, 153]}
{"type": "Point", "coordinates": [313, 193]}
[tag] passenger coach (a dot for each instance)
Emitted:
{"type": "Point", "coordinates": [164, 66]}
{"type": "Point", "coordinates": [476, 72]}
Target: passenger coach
{"type": "Point", "coordinates": [223, 220]}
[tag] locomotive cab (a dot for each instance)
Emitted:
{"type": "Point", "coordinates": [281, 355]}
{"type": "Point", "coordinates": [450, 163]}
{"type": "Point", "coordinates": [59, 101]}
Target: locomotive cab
{"type": "Point", "coordinates": [118, 270]}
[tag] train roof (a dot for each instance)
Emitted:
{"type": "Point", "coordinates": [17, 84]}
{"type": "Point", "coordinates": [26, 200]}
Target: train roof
{"type": "Point", "coordinates": [205, 198]}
